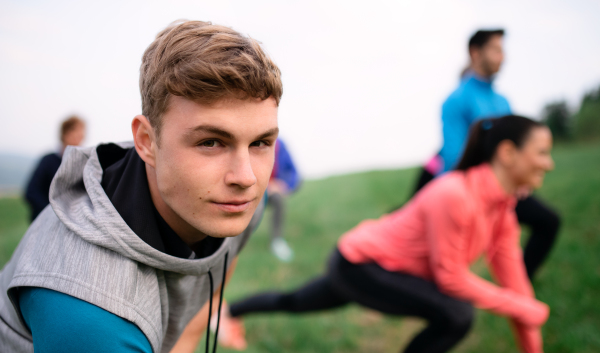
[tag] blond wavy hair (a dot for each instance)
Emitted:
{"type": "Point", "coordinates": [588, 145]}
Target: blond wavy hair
{"type": "Point", "coordinates": [204, 63]}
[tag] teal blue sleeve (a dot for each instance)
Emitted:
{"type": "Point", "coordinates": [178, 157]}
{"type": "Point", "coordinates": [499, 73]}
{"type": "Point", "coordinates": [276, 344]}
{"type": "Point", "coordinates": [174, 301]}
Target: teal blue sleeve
{"type": "Point", "coordinates": [62, 323]}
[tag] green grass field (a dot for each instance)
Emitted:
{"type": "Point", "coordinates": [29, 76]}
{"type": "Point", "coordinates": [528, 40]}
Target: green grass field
{"type": "Point", "coordinates": [324, 209]}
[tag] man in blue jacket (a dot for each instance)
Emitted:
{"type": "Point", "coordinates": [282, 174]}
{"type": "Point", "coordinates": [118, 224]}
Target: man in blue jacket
{"type": "Point", "coordinates": [473, 100]}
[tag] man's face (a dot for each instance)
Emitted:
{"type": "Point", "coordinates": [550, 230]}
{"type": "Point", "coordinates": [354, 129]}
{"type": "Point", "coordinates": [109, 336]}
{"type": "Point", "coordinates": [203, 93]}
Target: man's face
{"type": "Point", "coordinates": [213, 163]}
{"type": "Point", "coordinates": [75, 136]}
{"type": "Point", "coordinates": [489, 58]}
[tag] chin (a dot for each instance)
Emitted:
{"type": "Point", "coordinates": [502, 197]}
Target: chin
{"type": "Point", "coordinates": [494, 70]}
{"type": "Point", "coordinates": [536, 184]}
{"type": "Point", "coordinates": [218, 224]}
{"type": "Point", "coordinates": [227, 228]}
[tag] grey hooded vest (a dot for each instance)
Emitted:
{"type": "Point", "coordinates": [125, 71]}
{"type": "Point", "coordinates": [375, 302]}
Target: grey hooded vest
{"type": "Point", "coordinates": [82, 247]}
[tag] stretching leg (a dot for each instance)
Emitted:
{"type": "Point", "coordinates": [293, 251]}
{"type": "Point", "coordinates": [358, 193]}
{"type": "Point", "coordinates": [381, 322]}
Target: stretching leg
{"type": "Point", "coordinates": [314, 296]}
{"type": "Point", "coordinates": [371, 286]}
{"type": "Point", "coordinates": [544, 224]}
{"type": "Point", "coordinates": [395, 293]}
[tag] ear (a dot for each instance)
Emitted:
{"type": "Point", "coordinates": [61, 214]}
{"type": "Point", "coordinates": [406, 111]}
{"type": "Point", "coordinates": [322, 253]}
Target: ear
{"type": "Point", "coordinates": [144, 139]}
{"type": "Point", "coordinates": [506, 153]}
{"type": "Point", "coordinates": [474, 54]}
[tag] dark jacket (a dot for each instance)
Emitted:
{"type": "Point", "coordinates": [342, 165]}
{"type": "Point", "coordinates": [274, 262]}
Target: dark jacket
{"type": "Point", "coordinates": [38, 187]}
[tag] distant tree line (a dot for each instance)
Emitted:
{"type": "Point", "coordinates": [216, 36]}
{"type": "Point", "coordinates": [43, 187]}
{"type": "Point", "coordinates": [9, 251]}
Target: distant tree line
{"type": "Point", "coordinates": [568, 125]}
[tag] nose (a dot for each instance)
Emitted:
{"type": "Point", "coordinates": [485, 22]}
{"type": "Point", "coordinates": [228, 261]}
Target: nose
{"type": "Point", "coordinates": [240, 172]}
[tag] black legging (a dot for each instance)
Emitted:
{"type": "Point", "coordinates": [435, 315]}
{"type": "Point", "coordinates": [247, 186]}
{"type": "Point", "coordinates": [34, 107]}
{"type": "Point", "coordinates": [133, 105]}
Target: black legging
{"type": "Point", "coordinates": [371, 286]}
{"type": "Point", "coordinates": [544, 224]}
{"type": "Point", "coordinates": [543, 221]}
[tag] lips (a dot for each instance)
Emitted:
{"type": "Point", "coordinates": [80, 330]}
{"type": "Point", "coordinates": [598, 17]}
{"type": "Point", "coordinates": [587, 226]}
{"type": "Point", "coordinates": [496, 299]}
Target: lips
{"type": "Point", "coordinates": [233, 206]}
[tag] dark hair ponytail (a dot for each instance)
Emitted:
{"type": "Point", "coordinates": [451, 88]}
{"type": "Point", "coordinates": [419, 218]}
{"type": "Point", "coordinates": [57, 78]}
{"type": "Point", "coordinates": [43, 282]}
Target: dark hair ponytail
{"type": "Point", "coordinates": [485, 136]}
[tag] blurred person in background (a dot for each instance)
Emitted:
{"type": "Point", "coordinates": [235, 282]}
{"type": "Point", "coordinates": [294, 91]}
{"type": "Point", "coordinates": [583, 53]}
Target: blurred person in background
{"type": "Point", "coordinates": [476, 99]}
{"type": "Point", "coordinates": [284, 181]}
{"type": "Point", "coordinates": [143, 235]}
{"type": "Point", "coordinates": [415, 261]}
{"type": "Point", "coordinates": [72, 133]}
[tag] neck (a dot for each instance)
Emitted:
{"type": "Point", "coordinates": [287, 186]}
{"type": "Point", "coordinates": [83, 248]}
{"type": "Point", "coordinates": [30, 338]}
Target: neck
{"type": "Point", "coordinates": [504, 179]}
{"type": "Point", "coordinates": [184, 230]}
{"type": "Point", "coordinates": [479, 71]}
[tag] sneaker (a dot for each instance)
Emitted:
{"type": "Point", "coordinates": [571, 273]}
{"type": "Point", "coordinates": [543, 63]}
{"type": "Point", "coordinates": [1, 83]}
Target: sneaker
{"type": "Point", "coordinates": [232, 334]}
{"type": "Point", "coordinates": [282, 250]}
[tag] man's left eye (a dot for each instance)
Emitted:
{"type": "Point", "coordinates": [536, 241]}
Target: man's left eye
{"type": "Point", "coordinates": [258, 144]}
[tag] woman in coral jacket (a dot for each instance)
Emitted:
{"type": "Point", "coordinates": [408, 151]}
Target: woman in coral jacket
{"type": "Point", "coordinates": [416, 260]}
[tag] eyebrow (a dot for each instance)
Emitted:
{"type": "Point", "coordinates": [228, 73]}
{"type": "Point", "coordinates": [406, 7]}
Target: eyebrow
{"type": "Point", "coordinates": [269, 133]}
{"type": "Point", "coordinates": [217, 131]}
{"type": "Point", "coordinates": [211, 129]}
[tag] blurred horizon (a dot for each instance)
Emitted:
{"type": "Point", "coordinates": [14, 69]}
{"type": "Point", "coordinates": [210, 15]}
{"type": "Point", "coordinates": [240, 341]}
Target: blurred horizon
{"type": "Point", "coordinates": [363, 84]}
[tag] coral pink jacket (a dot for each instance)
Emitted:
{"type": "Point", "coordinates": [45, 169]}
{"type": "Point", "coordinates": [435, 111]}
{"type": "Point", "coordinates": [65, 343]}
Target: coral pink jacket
{"type": "Point", "coordinates": [444, 229]}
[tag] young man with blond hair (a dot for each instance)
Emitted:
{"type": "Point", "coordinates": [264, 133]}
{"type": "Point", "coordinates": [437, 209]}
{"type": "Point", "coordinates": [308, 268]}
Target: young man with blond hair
{"type": "Point", "coordinates": [140, 236]}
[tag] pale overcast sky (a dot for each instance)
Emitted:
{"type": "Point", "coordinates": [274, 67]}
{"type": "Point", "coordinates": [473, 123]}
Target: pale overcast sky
{"type": "Point", "coordinates": [363, 81]}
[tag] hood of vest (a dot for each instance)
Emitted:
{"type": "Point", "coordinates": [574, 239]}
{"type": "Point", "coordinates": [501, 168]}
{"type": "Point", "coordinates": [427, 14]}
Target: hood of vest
{"type": "Point", "coordinates": [80, 202]}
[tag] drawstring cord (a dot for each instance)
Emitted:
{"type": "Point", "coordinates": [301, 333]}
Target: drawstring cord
{"type": "Point", "coordinates": [210, 279]}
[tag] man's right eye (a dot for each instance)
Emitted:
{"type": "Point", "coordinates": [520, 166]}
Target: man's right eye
{"type": "Point", "coordinates": [209, 143]}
